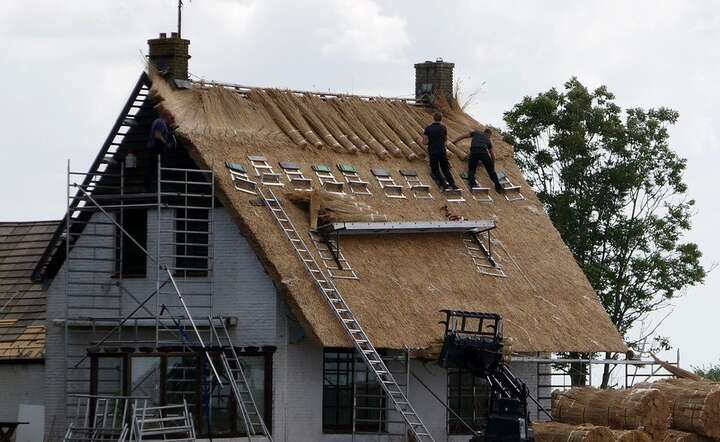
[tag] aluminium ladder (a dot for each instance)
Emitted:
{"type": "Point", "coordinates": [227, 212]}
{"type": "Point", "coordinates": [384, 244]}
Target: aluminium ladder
{"type": "Point", "coordinates": [346, 317]}
{"type": "Point", "coordinates": [252, 420]}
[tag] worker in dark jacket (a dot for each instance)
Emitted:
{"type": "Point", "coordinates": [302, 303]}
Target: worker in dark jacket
{"type": "Point", "coordinates": [434, 138]}
{"type": "Point", "coordinates": [481, 150]}
{"type": "Point", "coordinates": [160, 140]}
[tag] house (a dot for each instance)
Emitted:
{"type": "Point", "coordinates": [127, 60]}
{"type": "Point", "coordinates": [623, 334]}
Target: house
{"type": "Point", "coordinates": [152, 259]}
{"type": "Point", "coordinates": [22, 323]}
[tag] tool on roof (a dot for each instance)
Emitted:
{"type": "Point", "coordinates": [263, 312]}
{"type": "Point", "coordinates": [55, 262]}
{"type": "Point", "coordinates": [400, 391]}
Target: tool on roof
{"type": "Point", "coordinates": [240, 178]}
{"type": "Point", "coordinates": [345, 316]}
{"type": "Point", "coordinates": [356, 184]}
{"type": "Point", "coordinates": [479, 193]}
{"type": "Point", "coordinates": [252, 420]}
{"type": "Point", "coordinates": [387, 183]}
{"type": "Point", "coordinates": [512, 192]}
{"type": "Point", "coordinates": [327, 179]}
{"type": "Point", "coordinates": [474, 342]}
{"type": "Point", "coordinates": [417, 187]}
{"type": "Point", "coordinates": [265, 171]}
{"type": "Point", "coordinates": [295, 176]}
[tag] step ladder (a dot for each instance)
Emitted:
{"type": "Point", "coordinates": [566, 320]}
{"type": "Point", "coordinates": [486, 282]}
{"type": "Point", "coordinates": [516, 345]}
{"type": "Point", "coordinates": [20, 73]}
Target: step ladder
{"type": "Point", "coordinates": [295, 176]}
{"type": "Point", "coordinates": [327, 179]}
{"type": "Point", "coordinates": [387, 183]}
{"type": "Point", "coordinates": [342, 311]}
{"type": "Point", "coordinates": [357, 185]}
{"type": "Point", "coordinates": [335, 262]}
{"type": "Point", "coordinates": [418, 189]}
{"type": "Point", "coordinates": [241, 180]}
{"type": "Point", "coordinates": [167, 422]}
{"type": "Point", "coordinates": [512, 192]}
{"type": "Point", "coordinates": [264, 171]}
{"type": "Point", "coordinates": [248, 410]}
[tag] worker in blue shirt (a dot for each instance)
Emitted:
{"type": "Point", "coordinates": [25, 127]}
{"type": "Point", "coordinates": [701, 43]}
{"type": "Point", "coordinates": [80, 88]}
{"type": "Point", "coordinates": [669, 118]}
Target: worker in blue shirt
{"type": "Point", "coordinates": [160, 140]}
{"type": "Point", "coordinates": [481, 150]}
{"type": "Point", "coordinates": [434, 138]}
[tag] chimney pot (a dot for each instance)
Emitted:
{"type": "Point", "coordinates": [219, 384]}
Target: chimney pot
{"type": "Point", "coordinates": [173, 35]}
{"type": "Point", "coordinates": [163, 35]}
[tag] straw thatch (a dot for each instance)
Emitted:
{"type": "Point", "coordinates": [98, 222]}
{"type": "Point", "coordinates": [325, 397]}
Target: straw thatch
{"type": "Point", "coordinates": [631, 436]}
{"type": "Point", "coordinates": [335, 208]}
{"type": "Point", "coordinates": [559, 432]}
{"type": "Point", "coordinates": [640, 408]}
{"type": "Point", "coordinates": [681, 436]}
{"type": "Point", "coordinates": [404, 280]}
{"type": "Point", "coordinates": [695, 405]}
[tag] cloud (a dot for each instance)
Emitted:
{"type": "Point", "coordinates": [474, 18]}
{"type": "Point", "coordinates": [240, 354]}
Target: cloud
{"type": "Point", "coordinates": [363, 33]}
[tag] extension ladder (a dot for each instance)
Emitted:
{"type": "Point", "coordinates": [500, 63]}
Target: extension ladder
{"type": "Point", "coordinates": [343, 313]}
{"type": "Point", "coordinates": [252, 420]}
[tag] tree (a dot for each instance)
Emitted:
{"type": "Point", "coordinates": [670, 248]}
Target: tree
{"type": "Point", "coordinates": [711, 372]}
{"type": "Point", "coordinates": [614, 189]}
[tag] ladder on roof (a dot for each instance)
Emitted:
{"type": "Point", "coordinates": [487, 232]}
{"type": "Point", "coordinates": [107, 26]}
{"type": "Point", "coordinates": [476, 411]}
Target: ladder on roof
{"type": "Point", "coordinates": [249, 412]}
{"type": "Point", "coordinates": [342, 311]}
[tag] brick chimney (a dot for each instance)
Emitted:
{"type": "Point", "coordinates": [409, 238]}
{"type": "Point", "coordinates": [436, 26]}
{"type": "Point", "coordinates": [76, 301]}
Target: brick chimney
{"type": "Point", "coordinates": [434, 77]}
{"type": "Point", "coordinates": [170, 55]}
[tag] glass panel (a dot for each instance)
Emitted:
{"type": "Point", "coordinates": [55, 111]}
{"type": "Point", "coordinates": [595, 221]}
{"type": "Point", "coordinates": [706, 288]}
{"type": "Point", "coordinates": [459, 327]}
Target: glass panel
{"type": "Point", "coordinates": [145, 377]}
{"type": "Point", "coordinates": [468, 396]}
{"type": "Point", "coordinates": [181, 379]}
{"type": "Point", "coordinates": [109, 376]}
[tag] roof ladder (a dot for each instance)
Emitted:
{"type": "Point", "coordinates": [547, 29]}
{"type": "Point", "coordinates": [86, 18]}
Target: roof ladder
{"type": "Point", "coordinates": [329, 250]}
{"type": "Point", "coordinates": [265, 171]}
{"type": "Point", "coordinates": [240, 178]}
{"type": "Point", "coordinates": [342, 311]}
{"type": "Point", "coordinates": [295, 176]}
{"type": "Point", "coordinates": [327, 179]}
{"type": "Point", "coordinates": [512, 192]}
{"type": "Point", "coordinates": [387, 183]}
{"type": "Point", "coordinates": [249, 412]}
{"type": "Point", "coordinates": [482, 256]}
{"type": "Point", "coordinates": [418, 189]}
{"type": "Point", "coordinates": [479, 193]}
{"type": "Point", "coordinates": [357, 185]}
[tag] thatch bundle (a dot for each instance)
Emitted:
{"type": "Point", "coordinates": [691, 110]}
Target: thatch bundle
{"type": "Point", "coordinates": [559, 432]}
{"type": "Point", "coordinates": [332, 207]}
{"type": "Point", "coordinates": [293, 113]}
{"type": "Point", "coordinates": [695, 405]}
{"type": "Point", "coordinates": [642, 408]}
{"type": "Point", "coordinates": [681, 436]}
{"type": "Point", "coordinates": [631, 436]}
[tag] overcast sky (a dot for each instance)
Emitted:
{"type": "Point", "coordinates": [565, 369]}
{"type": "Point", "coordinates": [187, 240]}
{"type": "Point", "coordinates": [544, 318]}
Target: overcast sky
{"type": "Point", "coordinates": [68, 66]}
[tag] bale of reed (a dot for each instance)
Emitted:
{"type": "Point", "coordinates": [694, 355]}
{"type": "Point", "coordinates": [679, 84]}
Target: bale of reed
{"type": "Point", "coordinates": [334, 207]}
{"type": "Point", "coordinates": [695, 405]}
{"type": "Point", "coordinates": [359, 129]}
{"type": "Point", "coordinates": [321, 109]}
{"type": "Point", "coordinates": [373, 125]}
{"type": "Point", "coordinates": [631, 436]}
{"type": "Point", "coordinates": [288, 107]}
{"type": "Point", "coordinates": [316, 123]}
{"type": "Point", "coordinates": [260, 96]}
{"type": "Point", "coordinates": [641, 408]}
{"type": "Point", "coordinates": [559, 432]}
{"type": "Point", "coordinates": [682, 436]}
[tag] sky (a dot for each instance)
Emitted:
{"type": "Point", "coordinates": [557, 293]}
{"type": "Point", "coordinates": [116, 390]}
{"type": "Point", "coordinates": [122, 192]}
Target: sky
{"type": "Point", "coordinates": [67, 68]}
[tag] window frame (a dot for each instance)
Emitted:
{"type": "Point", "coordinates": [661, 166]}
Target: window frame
{"type": "Point", "coordinates": [478, 423]}
{"type": "Point", "coordinates": [266, 353]}
{"type": "Point", "coordinates": [122, 243]}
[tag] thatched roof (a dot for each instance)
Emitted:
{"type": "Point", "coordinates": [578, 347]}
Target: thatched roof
{"type": "Point", "coordinates": [546, 299]}
{"type": "Point", "coordinates": [22, 301]}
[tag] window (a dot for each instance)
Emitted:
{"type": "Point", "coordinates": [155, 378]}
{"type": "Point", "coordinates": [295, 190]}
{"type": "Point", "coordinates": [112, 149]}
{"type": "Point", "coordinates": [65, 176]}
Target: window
{"type": "Point", "coordinates": [345, 375]}
{"type": "Point", "coordinates": [468, 396]}
{"type": "Point", "coordinates": [130, 260]}
{"type": "Point", "coordinates": [168, 378]}
{"type": "Point", "coordinates": [192, 241]}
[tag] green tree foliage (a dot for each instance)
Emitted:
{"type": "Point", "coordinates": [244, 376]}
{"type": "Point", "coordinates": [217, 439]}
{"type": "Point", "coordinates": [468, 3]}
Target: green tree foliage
{"type": "Point", "coordinates": [711, 372]}
{"type": "Point", "coordinates": [614, 189]}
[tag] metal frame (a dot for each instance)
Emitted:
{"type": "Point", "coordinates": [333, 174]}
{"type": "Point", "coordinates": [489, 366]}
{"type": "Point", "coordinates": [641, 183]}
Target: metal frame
{"type": "Point", "coordinates": [327, 179]}
{"type": "Point", "coordinates": [418, 189]}
{"type": "Point", "coordinates": [510, 188]}
{"type": "Point", "coordinates": [387, 183]}
{"type": "Point", "coordinates": [264, 171]}
{"type": "Point", "coordinates": [482, 255]}
{"type": "Point", "coordinates": [408, 227]}
{"type": "Point", "coordinates": [357, 185]}
{"type": "Point", "coordinates": [296, 177]}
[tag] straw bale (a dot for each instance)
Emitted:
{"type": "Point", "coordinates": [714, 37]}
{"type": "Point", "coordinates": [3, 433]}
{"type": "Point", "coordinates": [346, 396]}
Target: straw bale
{"type": "Point", "coordinates": [641, 408]}
{"type": "Point", "coordinates": [372, 124]}
{"type": "Point", "coordinates": [336, 208]}
{"type": "Point", "coordinates": [559, 432]}
{"type": "Point", "coordinates": [315, 122]}
{"type": "Point", "coordinates": [546, 300]}
{"type": "Point", "coordinates": [358, 127]}
{"type": "Point", "coordinates": [695, 405]}
{"type": "Point", "coordinates": [320, 108]}
{"type": "Point", "coordinates": [682, 436]}
{"type": "Point", "coordinates": [262, 97]}
{"type": "Point", "coordinates": [631, 436]}
{"type": "Point", "coordinates": [387, 113]}
{"type": "Point", "coordinates": [288, 107]}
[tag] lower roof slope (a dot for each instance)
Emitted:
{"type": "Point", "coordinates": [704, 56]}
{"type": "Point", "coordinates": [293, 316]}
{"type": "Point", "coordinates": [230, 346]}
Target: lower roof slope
{"type": "Point", "coordinates": [22, 301]}
{"type": "Point", "coordinates": [546, 299]}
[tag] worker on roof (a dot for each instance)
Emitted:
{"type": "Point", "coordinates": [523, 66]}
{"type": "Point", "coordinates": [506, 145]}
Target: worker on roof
{"type": "Point", "coordinates": [434, 138]}
{"type": "Point", "coordinates": [161, 140]}
{"type": "Point", "coordinates": [481, 150]}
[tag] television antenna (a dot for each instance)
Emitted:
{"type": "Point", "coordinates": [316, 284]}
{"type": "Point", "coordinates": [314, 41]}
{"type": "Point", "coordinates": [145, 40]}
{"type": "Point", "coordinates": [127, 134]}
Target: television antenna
{"type": "Point", "coordinates": [180, 6]}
